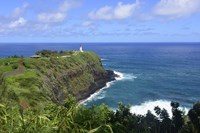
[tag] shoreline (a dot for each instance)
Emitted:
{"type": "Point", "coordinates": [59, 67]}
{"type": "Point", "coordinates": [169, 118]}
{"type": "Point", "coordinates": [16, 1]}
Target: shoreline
{"type": "Point", "coordinates": [118, 76]}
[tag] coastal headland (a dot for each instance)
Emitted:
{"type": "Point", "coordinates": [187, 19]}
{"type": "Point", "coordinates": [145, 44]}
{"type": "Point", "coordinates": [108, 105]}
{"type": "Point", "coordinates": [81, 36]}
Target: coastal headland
{"type": "Point", "coordinates": [50, 76]}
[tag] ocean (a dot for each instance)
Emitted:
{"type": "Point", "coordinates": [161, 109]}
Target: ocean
{"type": "Point", "coordinates": [152, 74]}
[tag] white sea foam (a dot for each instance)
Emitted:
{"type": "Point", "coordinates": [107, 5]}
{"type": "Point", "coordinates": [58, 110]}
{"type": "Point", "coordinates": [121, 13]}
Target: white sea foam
{"type": "Point", "coordinates": [103, 59]}
{"type": "Point", "coordinates": [150, 105]}
{"type": "Point", "coordinates": [121, 75]}
{"type": "Point", "coordinates": [129, 77]}
{"type": "Point", "coordinates": [125, 76]}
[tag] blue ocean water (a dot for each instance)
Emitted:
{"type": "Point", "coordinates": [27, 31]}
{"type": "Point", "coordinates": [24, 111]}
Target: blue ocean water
{"type": "Point", "coordinates": [153, 73]}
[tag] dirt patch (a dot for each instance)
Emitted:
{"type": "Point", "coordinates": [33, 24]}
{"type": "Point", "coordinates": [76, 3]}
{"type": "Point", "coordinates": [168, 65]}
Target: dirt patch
{"type": "Point", "coordinates": [20, 70]}
{"type": "Point", "coordinates": [24, 104]}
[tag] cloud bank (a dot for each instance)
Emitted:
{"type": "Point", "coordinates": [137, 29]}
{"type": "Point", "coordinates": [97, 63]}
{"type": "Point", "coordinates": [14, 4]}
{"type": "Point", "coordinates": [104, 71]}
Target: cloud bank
{"type": "Point", "coordinates": [113, 19]}
{"type": "Point", "coordinates": [121, 11]}
{"type": "Point", "coordinates": [176, 8]}
{"type": "Point", "coordinates": [60, 14]}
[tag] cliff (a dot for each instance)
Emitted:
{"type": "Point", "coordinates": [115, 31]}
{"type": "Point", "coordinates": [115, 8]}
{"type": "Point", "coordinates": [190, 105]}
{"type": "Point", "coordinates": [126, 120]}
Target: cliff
{"type": "Point", "coordinates": [32, 81]}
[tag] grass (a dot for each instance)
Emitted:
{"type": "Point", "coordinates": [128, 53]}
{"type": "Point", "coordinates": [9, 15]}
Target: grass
{"type": "Point", "coordinates": [6, 69]}
{"type": "Point", "coordinates": [49, 77]}
{"type": "Point", "coordinates": [24, 86]}
{"type": "Point", "coordinates": [8, 64]}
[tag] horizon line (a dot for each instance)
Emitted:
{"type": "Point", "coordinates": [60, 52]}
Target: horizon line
{"type": "Point", "coordinates": [94, 42]}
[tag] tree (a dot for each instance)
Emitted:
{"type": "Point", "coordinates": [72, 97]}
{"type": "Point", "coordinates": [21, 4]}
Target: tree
{"type": "Point", "coordinates": [194, 115]}
{"type": "Point", "coordinates": [165, 121]}
{"type": "Point", "coordinates": [123, 121]}
{"type": "Point", "coordinates": [177, 118]}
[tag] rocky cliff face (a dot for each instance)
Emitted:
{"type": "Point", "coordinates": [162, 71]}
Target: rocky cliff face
{"type": "Point", "coordinates": [53, 78]}
{"type": "Point", "coordinates": [99, 83]}
{"type": "Point", "coordinates": [81, 80]}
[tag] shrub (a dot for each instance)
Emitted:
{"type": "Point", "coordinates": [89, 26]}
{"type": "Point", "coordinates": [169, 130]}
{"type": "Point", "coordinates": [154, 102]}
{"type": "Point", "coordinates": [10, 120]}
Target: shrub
{"type": "Point", "coordinates": [15, 66]}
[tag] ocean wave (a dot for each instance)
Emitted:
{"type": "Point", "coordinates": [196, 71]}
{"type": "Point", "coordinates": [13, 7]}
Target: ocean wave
{"type": "Point", "coordinates": [121, 75]}
{"type": "Point", "coordinates": [150, 105]}
{"type": "Point", "coordinates": [125, 76]}
{"type": "Point", "coordinates": [103, 59]}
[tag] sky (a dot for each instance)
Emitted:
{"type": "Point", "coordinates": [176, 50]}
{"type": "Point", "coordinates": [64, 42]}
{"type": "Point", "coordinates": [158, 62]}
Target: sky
{"type": "Point", "coordinates": [99, 21]}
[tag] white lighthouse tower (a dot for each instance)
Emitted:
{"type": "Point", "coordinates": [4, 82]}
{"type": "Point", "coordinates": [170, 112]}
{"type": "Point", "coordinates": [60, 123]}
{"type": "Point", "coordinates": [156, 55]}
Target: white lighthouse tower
{"type": "Point", "coordinates": [81, 48]}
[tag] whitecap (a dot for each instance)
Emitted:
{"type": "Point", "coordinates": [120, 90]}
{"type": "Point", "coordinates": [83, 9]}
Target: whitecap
{"type": "Point", "coordinates": [125, 76]}
{"type": "Point", "coordinates": [150, 105]}
{"type": "Point", "coordinates": [121, 75]}
{"type": "Point", "coordinates": [129, 76]}
{"type": "Point", "coordinates": [103, 59]}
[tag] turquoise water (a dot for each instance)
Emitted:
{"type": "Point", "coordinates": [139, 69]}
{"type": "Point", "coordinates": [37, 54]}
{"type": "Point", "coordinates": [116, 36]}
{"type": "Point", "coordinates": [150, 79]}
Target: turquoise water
{"type": "Point", "coordinates": [153, 73]}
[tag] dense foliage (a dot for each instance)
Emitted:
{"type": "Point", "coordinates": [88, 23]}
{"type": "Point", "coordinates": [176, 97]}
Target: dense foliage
{"type": "Point", "coordinates": [71, 117]}
{"type": "Point", "coordinates": [50, 53]}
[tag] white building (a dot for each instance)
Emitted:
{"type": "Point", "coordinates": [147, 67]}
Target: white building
{"type": "Point", "coordinates": [81, 48]}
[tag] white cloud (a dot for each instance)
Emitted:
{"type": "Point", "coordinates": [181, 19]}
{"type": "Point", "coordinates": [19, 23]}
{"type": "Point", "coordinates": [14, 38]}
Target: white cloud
{"type": "Point", "coordinates": [17, 23]}
{"type": "Point", "coordinates": [59, 15]}
{"type": "Point", "coordinates": [121, 11]}
{"type": "Point", "coordinates": [67, 5]}
{"type": "Point", "coordinates": [51, 17]}
{"type": "Point", "coordinates": [18, 11]}
{"type": "Point", "coordinates": [103, 13]}
{"type": "Point", "coordinates": [124, 11]}
{"type": "Point", "coordinates": [176, 8]}
{"type": "Point", "coordinates": [14, 21]}
{"type": "Point", "coordinates": [87, 23]}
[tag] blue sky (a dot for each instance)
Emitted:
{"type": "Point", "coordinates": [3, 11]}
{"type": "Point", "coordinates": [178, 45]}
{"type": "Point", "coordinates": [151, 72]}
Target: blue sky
{"type": "Point", "coordinates": [100, 21]}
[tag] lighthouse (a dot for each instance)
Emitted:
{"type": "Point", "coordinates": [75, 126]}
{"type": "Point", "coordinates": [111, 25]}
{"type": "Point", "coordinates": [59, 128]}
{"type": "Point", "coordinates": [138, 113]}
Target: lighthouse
{"type": "Point", "coordinates": [81, 48]}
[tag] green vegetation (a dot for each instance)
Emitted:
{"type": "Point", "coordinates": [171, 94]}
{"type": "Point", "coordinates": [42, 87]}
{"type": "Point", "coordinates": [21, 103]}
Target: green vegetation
{"type": "Point", "coordinates": [70, 117]}
{"type": "Point", "coordinates": [8, 64]}
{"type": "Point", "coordinates": [50, 78]}
{"type": "Point", "coordinates": [40, 96]}
{"type": "Point", "coordinates": [49, 53]}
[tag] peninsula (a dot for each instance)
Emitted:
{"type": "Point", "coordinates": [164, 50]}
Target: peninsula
{"type": "Point", "coordinates": [50, 76]}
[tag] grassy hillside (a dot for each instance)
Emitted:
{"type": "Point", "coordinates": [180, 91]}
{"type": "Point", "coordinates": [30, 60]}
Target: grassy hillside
{"type": "Point", "coordinates": [32, 81]}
